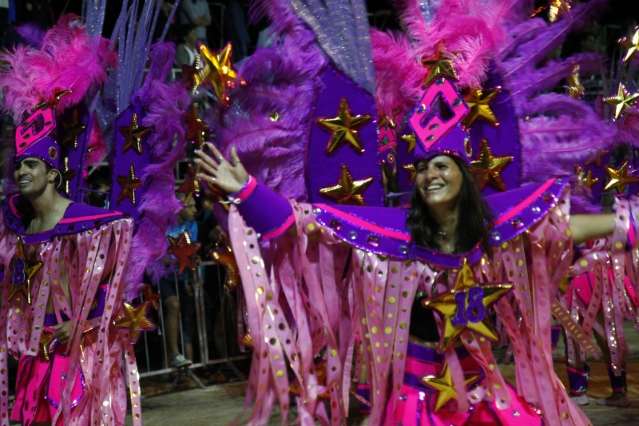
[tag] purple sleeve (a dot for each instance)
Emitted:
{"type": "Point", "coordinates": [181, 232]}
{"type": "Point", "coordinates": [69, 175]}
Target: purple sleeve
{"type": "Point", "coordinates": [264, 210]}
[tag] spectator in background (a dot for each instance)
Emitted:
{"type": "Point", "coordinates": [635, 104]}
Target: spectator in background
{"type": "Point", "coordinates": [186, 51]}
{"type": "Point", "coordinates": [170, 286]}
{"type": "Point", "coordinates": [196, 13]}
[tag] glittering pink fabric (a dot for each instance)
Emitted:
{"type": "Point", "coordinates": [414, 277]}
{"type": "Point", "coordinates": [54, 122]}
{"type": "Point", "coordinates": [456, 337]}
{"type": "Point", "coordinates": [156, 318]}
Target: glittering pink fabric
{"type": "Point", "coordinates": [319, 298]}
{"type": "Point", "coordinates": [80, 262]}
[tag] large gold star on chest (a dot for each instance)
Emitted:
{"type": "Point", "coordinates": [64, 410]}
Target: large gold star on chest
{"type": "Point", "coordinates": [347, 190]}
{"type": "Point", "coordinates": [465, 307]}
{"type": "Point", "coordinates": [487, 168]}
{"type": "Point", "coordinates": [133, 135]}
{"type": "Point", "coordinates": [344, 128]}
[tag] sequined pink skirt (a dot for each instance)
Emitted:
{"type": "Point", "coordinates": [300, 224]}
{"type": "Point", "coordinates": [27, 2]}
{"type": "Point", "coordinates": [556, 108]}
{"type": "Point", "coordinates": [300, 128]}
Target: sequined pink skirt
{"type": "Point", "coordinates": [414, 403]}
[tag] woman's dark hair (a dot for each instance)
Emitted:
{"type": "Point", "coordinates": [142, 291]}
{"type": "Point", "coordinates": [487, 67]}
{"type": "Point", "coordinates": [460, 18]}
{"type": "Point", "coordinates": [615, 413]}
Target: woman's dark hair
{"type": "Point", "coordinates": [474, 222]}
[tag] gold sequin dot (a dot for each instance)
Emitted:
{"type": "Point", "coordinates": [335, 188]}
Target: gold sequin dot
{"type": "Point", "coordinates": [388, 330]}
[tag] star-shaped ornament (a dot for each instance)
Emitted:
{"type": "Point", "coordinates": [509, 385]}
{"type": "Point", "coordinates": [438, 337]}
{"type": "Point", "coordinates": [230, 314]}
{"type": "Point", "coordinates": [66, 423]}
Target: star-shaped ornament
{"type": "Point", "coordinates": [465, 307]}
{"type": "Point", "coordinates": [487, 168]}
{"type": "Point", "coordinates": [444, 386]}
{"type": "Point", "coordinates": [585, 178]}
{"type": "Point", "coordinates": [223, 255]}
{"type": "Point", "coordinates": [557, 9]}
{"type": "Point", "coordinates": [622, 100]}
{"type": "Point", "coordinates": [411, 141]}
{"type": "Point", "coordinates": [631, 44]}
{"type": "Point", "coordinates": [479, 103]}
{"type": "Point", "coordinates": [347, 190]}
{"type": "Point", "coordinates": [133, 135]}
{"type": "Point", "coordinates": [184, 251]}
{"type": "Point", "coordinates": [575, 88]}
{"type": "Point", "coordinates": [344, 128]}
{"type": "Point", "coordinates": [134, 319]}
{"type": "Point", "coordinates": [23, 270]}
{"type": "Point", "coordinates": [218, 71]}
{"type": "Point", "coordinates": [128, 185]}
{"type": "Point", "coordinates": [439, 65]}
{"type": "Point", "coordinates": [619, 178]}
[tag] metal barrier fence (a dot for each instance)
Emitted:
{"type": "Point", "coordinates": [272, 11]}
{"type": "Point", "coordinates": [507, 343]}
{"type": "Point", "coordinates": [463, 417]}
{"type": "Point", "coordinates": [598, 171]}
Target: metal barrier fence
{"type": "Point", "coordinates": [212, 310]}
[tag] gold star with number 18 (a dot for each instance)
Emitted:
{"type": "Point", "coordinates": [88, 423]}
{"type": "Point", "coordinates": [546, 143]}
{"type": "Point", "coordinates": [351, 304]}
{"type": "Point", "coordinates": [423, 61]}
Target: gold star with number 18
{"type": "Point", "coordinates": [479, 104]}
{"type": "Point", "coordinates": [347, 190]}
{"type": "Point", "coordinates": [622, 100]}
{"type": "Point", "coordinates": [344, 128]}
{"type": "Point", "coordinates": [487, 168]}
{"type": "Point", "coordinates": [446, 305]}
{"type": "Point", "coordinates": [619, 178]}
{"type": "Point", "coordinates": [444, 386]}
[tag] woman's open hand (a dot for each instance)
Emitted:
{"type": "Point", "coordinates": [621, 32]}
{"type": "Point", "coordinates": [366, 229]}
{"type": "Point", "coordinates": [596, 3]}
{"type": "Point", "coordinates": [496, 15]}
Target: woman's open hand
{"type": "Point", "coordinates": [215, 169]}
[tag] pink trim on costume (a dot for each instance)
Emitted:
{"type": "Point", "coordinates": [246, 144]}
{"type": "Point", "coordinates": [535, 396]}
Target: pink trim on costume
{"type": "Point", "coordinates": [280, 229]}
{"type": "Point", "coordinates": [525, 203]}
{"type": "Point", "coordinates": [247, 190]}
{"type": "Point", "coordinates": [85, 218]}
{"type": "Point", "coordinates": [365, 225]}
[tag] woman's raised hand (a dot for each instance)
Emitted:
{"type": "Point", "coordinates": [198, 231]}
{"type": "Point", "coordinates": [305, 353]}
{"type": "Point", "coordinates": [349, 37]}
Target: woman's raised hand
{"type": "Point", "coordinates": [215, 169]}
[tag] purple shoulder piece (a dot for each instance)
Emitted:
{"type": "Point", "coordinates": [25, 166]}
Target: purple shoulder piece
{"type": "Point", "coordinates": [519, 209]}
{"type": "Point", "coordinates": [383, 231]}
{"type": "Point", "coordinates": [264, 210]}
{"type": "Point", "coordinates": [78, 217]}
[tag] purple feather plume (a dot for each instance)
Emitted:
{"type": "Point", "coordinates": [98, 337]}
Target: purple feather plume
{"type": "Point", "coordinates": [283, 82]}
{"type": "Point", "coordinates": [166, 105]}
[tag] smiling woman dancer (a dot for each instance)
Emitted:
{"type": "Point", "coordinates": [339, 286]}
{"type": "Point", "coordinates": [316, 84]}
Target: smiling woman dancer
{"type": "Point", "coordinates": [411, 379]}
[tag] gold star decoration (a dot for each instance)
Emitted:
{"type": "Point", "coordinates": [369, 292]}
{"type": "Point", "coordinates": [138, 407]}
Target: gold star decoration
{"type": "Point", "coordinates": [133, 134]}
{"type": "Point", "coordinates": [622, 100]}
{"type": "Point", "coordinates": [487, 168]}
{"type": "Point", "coordinates": [344, 128]}
{"type": "Point", "coordinates": [218, 71]}
{"type": "Point", "coordinates": [67, 175]}
{"type": "Point", "coordinates": [128, 185]}
{"type": "Point", "coordinates": [411, 141]}
{"type": "Point", "coordinates": [24, 270]}
{"type": "Point", "coordinates": [479, 104]}
{"type": "Point", "coordinates": [72, 129]}
{"type": "Point", "coordinates": [439, 65]}
{"type": "Point", "coordinates": [557, 9]}
{"type": "Point", "coordinates": [223, 256]}
{"type": "Point", "coordinates": [585, 178]}
{"type": "Point", "coordinates": [619, 178]}
{"type": "Point", "coordinates": [347, 190]}
{"type": "Point", "coordinates": [412, 172]}
{"type": "Point", "coordinates": [444, 386]}
{"type": "Point", "coordinates": [184, 251]}
{"type": "Point", "coordinates": [575, 88]}
{"type": "Point", "coordinates": [465, 307]}
{"type": "Point", "coordinates": [134, 319]}
{"type": "Point", "coordinates": [631, 43]}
